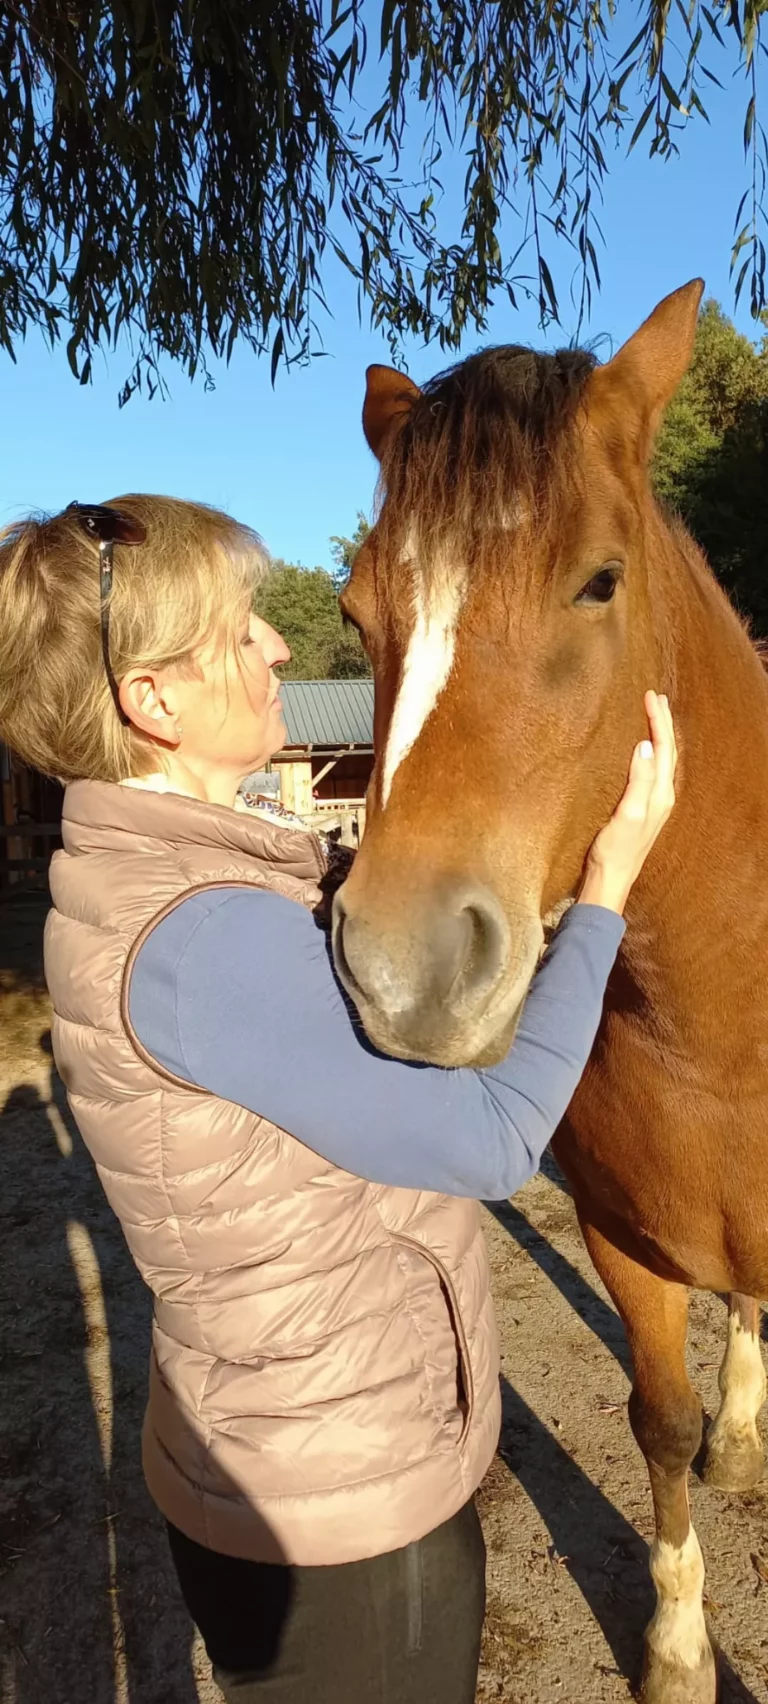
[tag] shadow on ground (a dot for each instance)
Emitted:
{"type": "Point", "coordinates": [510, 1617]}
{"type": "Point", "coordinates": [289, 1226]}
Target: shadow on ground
{"type": "Point", "coordinates": [579, 1294]}
{"type": "Point", "coordinates": [90, 1608]}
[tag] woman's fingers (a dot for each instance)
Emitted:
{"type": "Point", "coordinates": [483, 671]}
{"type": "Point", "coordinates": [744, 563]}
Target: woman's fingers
{"type": "Point", "coordinates": [664, 748]}
{"type": "Point", "coordinates": [618, 853]}
{"type": "Point", "coordinates": [659, 721]}
{"type": "Point", "coordinates": [640, 784]}
{"type": "Point", "coordinates": [672, 737]}
{"type": "Point", "coordinates": [650, 793]}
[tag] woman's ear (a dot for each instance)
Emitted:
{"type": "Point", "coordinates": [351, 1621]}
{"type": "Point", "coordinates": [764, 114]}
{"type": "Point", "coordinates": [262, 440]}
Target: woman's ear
{"type": "Point", "coordinates": [151, 703]}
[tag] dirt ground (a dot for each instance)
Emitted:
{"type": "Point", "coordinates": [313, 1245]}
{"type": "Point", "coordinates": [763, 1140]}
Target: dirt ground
{"type": "Point", "coordinates": [89, 1612]}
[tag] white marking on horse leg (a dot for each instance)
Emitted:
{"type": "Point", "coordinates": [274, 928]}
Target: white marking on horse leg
{"type": "Point", "coordinates": [426, 669]}
{"type": "Point", "coordinates": [742, 1375]}
{"type": "Point", "coordinates": [678, 1634]}
{"type": "Point", "coordinates": [733, 1439]}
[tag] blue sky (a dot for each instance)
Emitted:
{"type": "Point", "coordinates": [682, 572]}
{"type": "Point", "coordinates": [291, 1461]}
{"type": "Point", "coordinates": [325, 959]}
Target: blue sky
{"type": "Point", "coordinates": [292, 461]}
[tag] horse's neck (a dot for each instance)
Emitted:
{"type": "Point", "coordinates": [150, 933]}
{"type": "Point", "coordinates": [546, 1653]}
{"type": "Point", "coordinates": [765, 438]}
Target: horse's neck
{"type": "Point", "coordinates": [704, 888]}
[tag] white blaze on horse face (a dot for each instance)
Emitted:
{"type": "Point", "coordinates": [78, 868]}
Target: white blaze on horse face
{"type": "Point", "coordinates": [427, 664]}
{"type": "Point", "coordinates": [678, 1634]}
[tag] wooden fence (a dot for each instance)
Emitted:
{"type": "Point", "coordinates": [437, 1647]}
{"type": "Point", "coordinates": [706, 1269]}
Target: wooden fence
{"type": "Point", "coordinates": [30, 826]}
{"type": "Point", "coordinates": [25, 853]}
{"type": "Point", "coordinates": [346, 814]}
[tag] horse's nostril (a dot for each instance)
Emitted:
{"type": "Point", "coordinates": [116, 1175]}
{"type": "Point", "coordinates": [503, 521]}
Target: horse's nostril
{"type": "Point", "coordinates": [466, 945]}
{"type": "Point", "coordinates": [449, 955]}
{"type": "Point", "coordinates": [487, 946]}
{"type": "Point", "coordinates": [338, 919]}
{"type": "Point", "coordinates": [452, 949]}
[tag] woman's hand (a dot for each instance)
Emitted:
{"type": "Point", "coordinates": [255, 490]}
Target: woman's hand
{"type": "Point", "coordinates": [617, 855]}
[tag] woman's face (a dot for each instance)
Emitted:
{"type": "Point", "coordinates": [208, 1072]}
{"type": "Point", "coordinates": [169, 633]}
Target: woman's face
{"type": "Point", "coordinates": [231, 717]}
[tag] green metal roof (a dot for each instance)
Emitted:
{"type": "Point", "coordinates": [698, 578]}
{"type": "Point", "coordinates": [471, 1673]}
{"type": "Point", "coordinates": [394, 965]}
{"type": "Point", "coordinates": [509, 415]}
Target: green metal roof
{"type": "Point", "coordinates": [328, 712]}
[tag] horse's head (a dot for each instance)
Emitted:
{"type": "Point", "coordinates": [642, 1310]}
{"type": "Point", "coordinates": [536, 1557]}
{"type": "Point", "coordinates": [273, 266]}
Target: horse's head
{"type": "Point", "coordinates": [504, 597]}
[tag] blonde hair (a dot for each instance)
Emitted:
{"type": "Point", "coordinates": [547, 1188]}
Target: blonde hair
{"type": "Point", "coordinates": [194, 575]}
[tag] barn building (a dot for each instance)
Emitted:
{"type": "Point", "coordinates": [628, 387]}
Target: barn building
{"type": "Point", "coordinates": [326, 764]}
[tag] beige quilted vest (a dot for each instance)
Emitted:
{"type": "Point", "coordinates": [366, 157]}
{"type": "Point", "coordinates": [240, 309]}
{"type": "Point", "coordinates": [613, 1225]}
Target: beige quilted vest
{"type": "Point", "coordinates": [324, 1370]}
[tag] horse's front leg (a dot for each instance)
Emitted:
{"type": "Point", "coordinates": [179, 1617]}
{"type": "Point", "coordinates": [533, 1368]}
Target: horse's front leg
{"type": "Point", "coordinates": [665, 1414]}
{"type": "Point", "coordinates": [734, 1460]}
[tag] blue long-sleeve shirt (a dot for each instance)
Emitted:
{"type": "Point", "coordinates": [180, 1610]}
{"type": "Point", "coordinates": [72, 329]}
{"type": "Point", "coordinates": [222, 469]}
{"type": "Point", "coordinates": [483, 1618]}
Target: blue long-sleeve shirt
{"type": "Point", "coordinates": [235, 992]}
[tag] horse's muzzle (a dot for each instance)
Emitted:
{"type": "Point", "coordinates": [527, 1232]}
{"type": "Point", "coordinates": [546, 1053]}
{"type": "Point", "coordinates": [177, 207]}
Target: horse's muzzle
{"type": "Point", "coordinates": [423, 982]}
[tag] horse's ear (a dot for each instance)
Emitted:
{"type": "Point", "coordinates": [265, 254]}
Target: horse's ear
{"type": "Point", "coordinates": [388, 396]}
{"type": "Point", "coordinates": [647, 370]}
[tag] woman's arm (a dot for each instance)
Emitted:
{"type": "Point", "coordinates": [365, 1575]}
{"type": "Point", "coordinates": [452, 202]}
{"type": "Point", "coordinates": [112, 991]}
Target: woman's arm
{"type": "Point", "coordinates": [235, 992]}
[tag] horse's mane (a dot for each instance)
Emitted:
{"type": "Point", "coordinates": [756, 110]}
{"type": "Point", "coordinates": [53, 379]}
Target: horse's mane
{"type": "Point", "coordinates": [485, 444]}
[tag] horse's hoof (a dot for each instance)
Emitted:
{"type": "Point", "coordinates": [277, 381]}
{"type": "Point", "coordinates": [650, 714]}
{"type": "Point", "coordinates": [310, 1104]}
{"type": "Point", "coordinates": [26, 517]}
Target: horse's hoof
{"type": "Point", "coordinates": [733, 1461]}
{"type": "Point", "coordinates": [666, 1682]}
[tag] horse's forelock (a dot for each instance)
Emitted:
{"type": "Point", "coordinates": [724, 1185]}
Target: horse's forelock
{"type": "Point", "coordinates": [486, 448]}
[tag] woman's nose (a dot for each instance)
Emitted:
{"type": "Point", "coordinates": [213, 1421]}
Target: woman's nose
{"type": "Point", "coordinates": [281, 652]}
{"type": "Point", "coordinates": [274, 648]}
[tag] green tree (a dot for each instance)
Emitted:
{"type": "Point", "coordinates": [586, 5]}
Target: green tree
{"type": "Point", "coordinates": [182, 172]}
{"type": "Point", "coordinates": [711, 460]}
{"type": "Point", "coordinates": [347, 660]}
{"type": "Point", "coordinates": [344, 550]}
{"type": "Point", "coordinates": [302, 603]}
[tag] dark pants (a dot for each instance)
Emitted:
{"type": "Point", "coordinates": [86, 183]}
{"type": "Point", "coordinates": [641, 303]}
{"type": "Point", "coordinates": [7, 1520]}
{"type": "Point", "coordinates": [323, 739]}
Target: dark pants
{"type": "Point", "coordinates": [399, 1629]}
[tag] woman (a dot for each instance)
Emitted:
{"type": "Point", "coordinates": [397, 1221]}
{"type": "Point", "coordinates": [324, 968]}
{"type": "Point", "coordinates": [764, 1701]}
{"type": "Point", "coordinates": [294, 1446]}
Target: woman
{"type": "Point", "coordinates": [324, 1395]}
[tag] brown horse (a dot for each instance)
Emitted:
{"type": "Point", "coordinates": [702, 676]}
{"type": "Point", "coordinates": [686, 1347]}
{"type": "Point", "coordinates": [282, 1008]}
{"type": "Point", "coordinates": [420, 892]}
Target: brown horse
{"type": "Point", "coordinates": [519, 592]}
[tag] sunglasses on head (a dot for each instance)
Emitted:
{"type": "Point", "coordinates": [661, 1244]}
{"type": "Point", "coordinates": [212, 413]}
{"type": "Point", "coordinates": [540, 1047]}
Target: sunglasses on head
{"type": "Point", "coordinates": [107, 527]}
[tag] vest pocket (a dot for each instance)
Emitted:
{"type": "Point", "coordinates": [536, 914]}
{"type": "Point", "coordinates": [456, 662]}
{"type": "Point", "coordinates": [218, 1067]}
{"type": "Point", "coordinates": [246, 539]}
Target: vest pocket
{"type": "Point", "coordinates": [465, 1392]}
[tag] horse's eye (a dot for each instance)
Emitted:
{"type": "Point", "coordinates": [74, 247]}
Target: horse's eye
{"type": "Point", "coordinates": [600, 589]}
